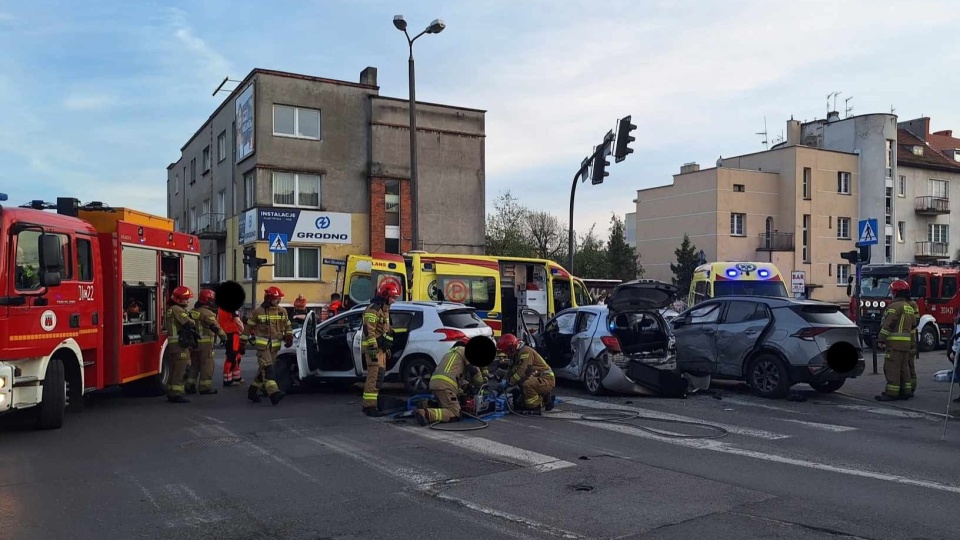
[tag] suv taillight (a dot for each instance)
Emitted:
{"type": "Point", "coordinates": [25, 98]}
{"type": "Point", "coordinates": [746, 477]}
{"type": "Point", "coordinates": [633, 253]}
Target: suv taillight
{"type": "Point", "coordinates": [450, 334]}
{"type": "Point", "coordinates": [611, 343]}
{"type": "Point", "coordinates": [809, 333]}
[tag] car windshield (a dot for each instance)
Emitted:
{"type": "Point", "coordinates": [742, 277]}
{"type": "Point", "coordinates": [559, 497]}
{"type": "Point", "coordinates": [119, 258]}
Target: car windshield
{"type": "Point", "coordinates": [750, 288]}
{"type": "Point", "coordinates": [877, 286]}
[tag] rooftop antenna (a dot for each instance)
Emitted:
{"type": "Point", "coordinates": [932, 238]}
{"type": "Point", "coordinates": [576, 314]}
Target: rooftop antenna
{"type": "Point", "coordinates": [222, 89]}
{"type": "Point", "coordinates": [892, 110]}
{"type": "Point", "coordinates": [830, 95]}
{"type": "Point", "coordinates": [847, 107]}
{"type": "Point", "coordinates": [764, 142]}
{"type": "Point", "coordinates": [835, 94]}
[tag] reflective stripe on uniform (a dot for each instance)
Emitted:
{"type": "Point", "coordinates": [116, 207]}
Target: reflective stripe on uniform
{"type": "Point", "coordinates": [370, 395]}
{"type": "Point", "coordinates": [444, 378]}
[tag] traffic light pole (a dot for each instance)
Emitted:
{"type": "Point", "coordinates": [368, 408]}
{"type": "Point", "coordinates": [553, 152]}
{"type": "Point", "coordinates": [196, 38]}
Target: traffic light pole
{"type": "Point", "coordinates": [584, 167]}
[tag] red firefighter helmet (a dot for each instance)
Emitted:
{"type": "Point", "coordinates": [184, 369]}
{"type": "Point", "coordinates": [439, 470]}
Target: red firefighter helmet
{"type": "Point", "coordinates": [207, 296]}
{"type": "Point", "coordinates": [898, 286]}
{"type": "Point", "coordinates": [388, 289]}
{"type": "Point", "coordinates": [181, 294]}
{"type": "Point", "coordinates": [272, 293]}
{"type": "Point", "coordinates": [508, 344]}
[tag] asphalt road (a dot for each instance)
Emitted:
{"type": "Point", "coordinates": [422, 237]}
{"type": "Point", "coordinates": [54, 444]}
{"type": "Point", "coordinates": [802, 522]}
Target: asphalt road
{"type": "Point", "coordinates": [313, 467]}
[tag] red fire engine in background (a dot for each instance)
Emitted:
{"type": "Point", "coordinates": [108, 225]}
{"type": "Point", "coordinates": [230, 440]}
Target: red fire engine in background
{"type": "Point", "coordinates": [934, 288]}
{"type": "Point", "coordinates": [83, 293]}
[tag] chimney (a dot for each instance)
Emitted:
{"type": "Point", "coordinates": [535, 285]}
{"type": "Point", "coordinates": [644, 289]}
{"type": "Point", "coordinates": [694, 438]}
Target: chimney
{"type": "Point", "coordinates": [689, 167]}
{"type": "Point", "coordinates": [833, 116]}
{"type": "Point", "coordinates": [793, 132]}
{"type": "Point", "coordinates": [369, 76]}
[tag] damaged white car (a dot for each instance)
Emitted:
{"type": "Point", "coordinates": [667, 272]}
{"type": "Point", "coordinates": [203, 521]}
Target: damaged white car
{"type": "Point", "coordinates": [625, 346]}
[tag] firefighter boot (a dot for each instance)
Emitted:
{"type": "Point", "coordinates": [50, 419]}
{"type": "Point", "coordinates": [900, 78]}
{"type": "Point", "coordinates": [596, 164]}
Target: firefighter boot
{"type": "Point", "coordinates": [421, 416]}
{"type": "Point", "coordinates": [177, 399]}
{"type": "Point", "coordinates": [550, 401]}
{"type": "Point", "coordinates": [209, 392]}
{"type": "Point", "coordinates": [276, 397]}
{"type": "Point", "coordinates": [253, 394]}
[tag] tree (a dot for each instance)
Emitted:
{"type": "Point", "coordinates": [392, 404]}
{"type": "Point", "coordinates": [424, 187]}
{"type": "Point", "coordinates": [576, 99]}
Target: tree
{"type": "Point", "coordinates": [590, 257]}
{"type": "Point", "coordinates": [687, 261]}
{"type": "Point", "coordinates": [506, 228]}
{"type": "Point", "coordinates": [546, 235]}
{"type": "Point", "coordinates": [623, 261]}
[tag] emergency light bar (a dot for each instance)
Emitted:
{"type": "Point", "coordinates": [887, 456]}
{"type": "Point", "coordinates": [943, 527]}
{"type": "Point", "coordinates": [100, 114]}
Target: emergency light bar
{"type": "Point", "coordinates": [3, 196]}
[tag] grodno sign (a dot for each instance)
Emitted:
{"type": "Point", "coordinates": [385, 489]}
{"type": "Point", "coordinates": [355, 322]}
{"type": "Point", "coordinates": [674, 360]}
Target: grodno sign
{"type": "Point", "coordinates": [300, 226]}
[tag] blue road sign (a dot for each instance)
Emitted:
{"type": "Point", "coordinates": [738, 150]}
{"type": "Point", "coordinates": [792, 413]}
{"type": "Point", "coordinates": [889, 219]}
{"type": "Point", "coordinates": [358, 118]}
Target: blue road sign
{"type": "Point", "coordinates": [278, 243]}
{"type": "Point", "coordinates": [867, 235]}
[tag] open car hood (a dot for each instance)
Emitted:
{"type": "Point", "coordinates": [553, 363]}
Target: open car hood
{"type": "Point", "coordinates": [641, 294]}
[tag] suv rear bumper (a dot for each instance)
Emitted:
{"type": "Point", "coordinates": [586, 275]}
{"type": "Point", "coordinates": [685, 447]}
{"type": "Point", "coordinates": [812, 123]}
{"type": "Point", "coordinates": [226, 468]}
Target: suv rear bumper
{"type": "Point", "coordinates": [821, 374]}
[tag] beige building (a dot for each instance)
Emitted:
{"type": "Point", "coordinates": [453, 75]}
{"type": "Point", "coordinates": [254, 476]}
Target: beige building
{"type": "Point", "coordinates": [794, 206]}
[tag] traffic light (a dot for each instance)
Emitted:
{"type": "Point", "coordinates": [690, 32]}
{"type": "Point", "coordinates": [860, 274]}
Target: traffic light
{"type": "Point", "coordinates": [624, 139]}
{"type": "Point", "coordinates": [250, 258]}
{"type": "Point", "coordinates": [850, 256]}
{"type": "Point", "coordinates": [600, 164]}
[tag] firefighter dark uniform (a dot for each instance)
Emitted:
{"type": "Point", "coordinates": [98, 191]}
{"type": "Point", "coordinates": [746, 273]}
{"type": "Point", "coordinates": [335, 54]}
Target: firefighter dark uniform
{"type": "Point", "coordinates": [377, 343]}
{"type": "Point", "coordinates": [201, 363]}
{"type": "Point", "coordinates": [529, 371]}
{"type": "Point", "coordinates": [453, 372]}
{"type": "Point", "coordinates": [267, 325]}
{"type": "Point", "coordinates": [178, 322]}
{"type": "Point", "coordinates": [898, 339]}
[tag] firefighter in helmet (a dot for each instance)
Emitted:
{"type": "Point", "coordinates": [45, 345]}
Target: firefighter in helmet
{"type": "Point", "coordinates": [181, 337]}
{"type": "Point", "coordinates": [377, 343]}
{"type": "Point", "coordinates": [897, 337]}
{"type": "Point", "coordinates": [527, 370]}
{"type": "Point", "coordinates": [461, 366]}
{"type": "Point", "coordinates": [266, 326]}
{"type": "Point", "coordinates": [202, 357]}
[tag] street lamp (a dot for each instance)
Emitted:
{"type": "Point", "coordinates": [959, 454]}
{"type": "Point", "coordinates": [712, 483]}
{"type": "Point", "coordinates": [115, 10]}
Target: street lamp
{"type": "Point", "coordinates": [435, 27]}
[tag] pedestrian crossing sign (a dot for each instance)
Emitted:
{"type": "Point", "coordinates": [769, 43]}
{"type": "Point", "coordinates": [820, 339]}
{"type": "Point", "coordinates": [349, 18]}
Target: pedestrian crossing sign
{"type": "Point", "coordinates": [868, 232]}
{"type": "Point", "coordinates": [278, 243]}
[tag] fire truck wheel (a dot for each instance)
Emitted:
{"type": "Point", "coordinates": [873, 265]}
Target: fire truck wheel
{"type": "Point", "coordinates": [53, 403]}
{"type": "Point", "coordinates": [928, 338]}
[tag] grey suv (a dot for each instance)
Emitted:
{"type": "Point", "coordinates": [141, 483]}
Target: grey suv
{"type": "Point", "coordinates": [771, 343]}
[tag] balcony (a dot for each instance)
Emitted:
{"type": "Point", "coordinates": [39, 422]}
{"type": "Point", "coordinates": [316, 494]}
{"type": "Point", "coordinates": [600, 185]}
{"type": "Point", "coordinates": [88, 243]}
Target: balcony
{"type": "Point", "coordinates": [776, 241]}
{"type": "Point", "coordinates": [932, 206]}
{"type": "Point", "coordinates": [932, 250]}
{"type": "Point", "coordinates": [212, 226]}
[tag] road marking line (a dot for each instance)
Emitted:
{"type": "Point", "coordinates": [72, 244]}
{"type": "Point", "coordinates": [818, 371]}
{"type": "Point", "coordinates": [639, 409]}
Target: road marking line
{"type": "Point", "coordinates": [504, 452]}
{"type": "Point", "coordinates": [747, 403]}
{"type": "Point", "coordinates": [501, 530]}
{"type": "Point", "coordinates": [413, 475]}
{"type": "Point", "coordinates": [727, 448]}
{"type": "Point", "coordinates": [816, 425]}
{"type": "Point", "coordinates": [748, 432]}
{"type": "Point", "coordinates": [191, 509]}
{"type": "Point", "coordinates": [899, 413]}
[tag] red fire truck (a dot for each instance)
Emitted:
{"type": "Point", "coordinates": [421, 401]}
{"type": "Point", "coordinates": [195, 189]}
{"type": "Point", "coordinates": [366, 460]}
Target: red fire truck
{"type": "Point", "coordinates": [934, 288]}
{"type": "Point", "coordinates": [83, 294]}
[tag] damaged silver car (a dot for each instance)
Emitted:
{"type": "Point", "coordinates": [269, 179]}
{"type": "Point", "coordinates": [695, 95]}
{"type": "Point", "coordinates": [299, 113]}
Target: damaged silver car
{"type": "Point", "coordinates": [771, 343]}
{"type": "Point", "coordinates": [597, 344]}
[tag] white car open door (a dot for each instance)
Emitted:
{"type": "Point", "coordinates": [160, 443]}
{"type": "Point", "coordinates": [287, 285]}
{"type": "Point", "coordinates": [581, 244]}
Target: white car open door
{"type": "Point", "coordinates": [308, 357]}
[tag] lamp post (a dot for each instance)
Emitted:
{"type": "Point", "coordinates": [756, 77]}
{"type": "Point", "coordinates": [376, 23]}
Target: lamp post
{"type": "Point", "coordinates": [435, 27]}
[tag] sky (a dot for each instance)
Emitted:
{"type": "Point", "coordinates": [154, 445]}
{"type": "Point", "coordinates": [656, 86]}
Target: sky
{"type": "Point", "coordinates": [97, 100]}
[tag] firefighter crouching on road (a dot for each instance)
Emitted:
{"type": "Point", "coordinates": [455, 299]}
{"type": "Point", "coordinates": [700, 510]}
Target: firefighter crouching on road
{"type": "Point", "coordinates": [377, 344]}
{"type": "Point", "coordinates": [266, 326]}
{"type": "Point", "coordinates": [233, 326]}
{"type": "Point", "coordinates": [461, 366]}
{"type": "Point", "coordinates": [202, 357]}
{"type": "Point", "coordinates": [181, 337]}
{"type": "Point", "coordinates": [527, 369]}
{"type": "Point", "coordinates": [898, 339]}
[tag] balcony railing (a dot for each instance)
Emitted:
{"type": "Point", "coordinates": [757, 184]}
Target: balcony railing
{"type": "Point", "coordinates": [776, 241]}
{"type": "Point", "coordinates": [212, 226]}
{"type": "Point", "coordinates": [932, 205]}
{"type": "Point", "coordinates": [932, 250]}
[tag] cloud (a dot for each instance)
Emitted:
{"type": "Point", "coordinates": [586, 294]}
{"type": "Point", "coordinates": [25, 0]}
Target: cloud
{"type": "Point", "coordinates": [87, 102]}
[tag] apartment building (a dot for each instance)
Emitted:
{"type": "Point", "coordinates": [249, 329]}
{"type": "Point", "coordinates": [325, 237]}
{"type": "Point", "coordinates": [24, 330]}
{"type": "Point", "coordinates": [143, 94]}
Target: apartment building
{"type": "Point", "coordinates": [326, 164]}
{"type": "Point", "coordinates": [793, 206]}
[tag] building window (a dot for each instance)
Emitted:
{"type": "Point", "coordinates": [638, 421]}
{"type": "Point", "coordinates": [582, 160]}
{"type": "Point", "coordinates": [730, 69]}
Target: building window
{"type": "Point", "coordinates": [843, 182]}
{"type": "Point", "coordinates": [888, 248]}
{"type": "Point", "coordinates": [739, 188]}
{"type": "Point", "coordinates": [939, 188]}
{"type": "Point", "coordinates": [176, 184]}
{"type": "Point", "coordinates": [193, 171]}
{"type": "Point", "coordinates": [184, 173]}
{"type": "Point", "coordinates": [806, 238]}
{"type": "Point", "coordinates": [205, 269]}
{"type": "Point", "coordinates": [843, 228]}
{"type": "Point", "coordinates": [938, 233]}
{"type": "Point", "coordinates": [221, 267]}
{"type": "Point", "coordinates": [843, 274]}
{"type": "Point", "coordinates": [807, 177]}
{"type": "Point", "coordinates": [222, 146]}
{"type": "Point", "coordinates": [297, 263]}
{"type": "Point", "coordinates": [890, 158]}
{"type": "Point", "coordinates": [901, 225]}
{"type": "Point", "coordinates": [221, 205]}
{"type": "Point", "coordinates": [902, 186]}
{"type": "Point", "coordinates": [205, 214]}
{"type": "Point", "coordinates": [249, 189]}
{"type": "Point", "coordinates": [738, 224]}
{"type": "Point", "coordinates": [392, 245]}
{"type": "Point", "coordinates": [296, 122]}
{"type": "Point", "coordinates": [247, 274]}
{"type": "Point", "coordinates": [206, 159]}
{"type": "Point", "coordinates": [193, 220]}
{"type": "Point", "coordinates": [889, 206]}
{"type": "Point", "coordinates": [290, 189]}
{"type": "Point", "coordinates": [392, 202]}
